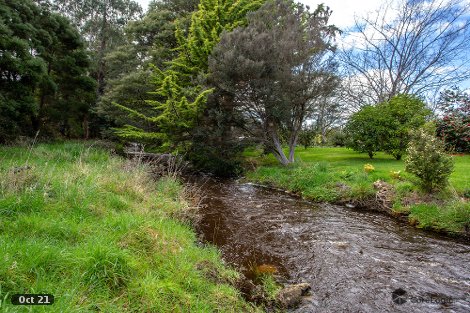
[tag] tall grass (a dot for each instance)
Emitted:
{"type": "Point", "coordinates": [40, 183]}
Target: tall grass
{"type": "Point", "coordinates": [101, 235]}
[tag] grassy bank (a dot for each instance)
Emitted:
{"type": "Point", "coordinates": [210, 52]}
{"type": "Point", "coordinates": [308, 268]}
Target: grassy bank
{"type": "Point", "coordinates": [101, 236]}
{"type": "Point", "coordinates": [337, 174]}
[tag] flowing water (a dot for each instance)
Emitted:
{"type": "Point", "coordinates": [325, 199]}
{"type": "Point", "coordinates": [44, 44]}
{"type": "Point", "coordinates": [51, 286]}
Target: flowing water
{"type": "Point", "coordinates": [354, 260]}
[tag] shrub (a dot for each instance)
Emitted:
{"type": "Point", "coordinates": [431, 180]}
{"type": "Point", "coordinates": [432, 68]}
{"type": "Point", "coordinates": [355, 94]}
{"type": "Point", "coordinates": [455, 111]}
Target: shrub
{"type": "Point", "coordinates": [395, 174]}
{"type": "Point", "coordinates": [363, 131]}
{"type": "Point", "coordinates": [401, 114]}
{"type": "Point", "coordinates": [455, 130]}
{"type": "Point", "coordinates": [386, 126]}
{"type": "Point", "coordinates": [307, 137]}
{"type": "Point", "coordinates": [337, 138]}
{"type": "Point", "coordinates": [428, 161]}
{"type": "Point", "coordinates": [454, 127]}
{"type": "Point", "coordinates": [368, 168]}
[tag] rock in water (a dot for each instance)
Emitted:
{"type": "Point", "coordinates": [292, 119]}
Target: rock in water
{"type": "Point", "coordinates": [291, 295]}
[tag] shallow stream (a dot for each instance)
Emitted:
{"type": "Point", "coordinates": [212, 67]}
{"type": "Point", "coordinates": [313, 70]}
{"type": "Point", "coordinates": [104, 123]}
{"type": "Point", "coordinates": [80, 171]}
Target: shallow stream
{"type": "Point", "coordinates": [354, 260]}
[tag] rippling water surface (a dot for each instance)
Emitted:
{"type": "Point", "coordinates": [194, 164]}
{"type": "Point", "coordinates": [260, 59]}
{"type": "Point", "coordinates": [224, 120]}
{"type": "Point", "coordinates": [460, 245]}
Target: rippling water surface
{"type": "Point", "coordinates": [353, 260]}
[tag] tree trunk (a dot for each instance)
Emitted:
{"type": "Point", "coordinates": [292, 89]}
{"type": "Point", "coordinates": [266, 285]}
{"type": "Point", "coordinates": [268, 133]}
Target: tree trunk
{"type": "Point", "coordinates": [292, 145]}
{"type": "Point", "coordinates": [86, 128]}
{"type": "Point", "coordinates": [277, 149]}
{"type": "Point", "coordinates": [101, 62]}
{"type": "Point", "coordinates": [37, 120]}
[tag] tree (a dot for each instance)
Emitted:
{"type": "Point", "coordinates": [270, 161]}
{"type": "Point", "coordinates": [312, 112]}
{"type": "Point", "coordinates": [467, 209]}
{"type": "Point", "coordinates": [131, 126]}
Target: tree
{"type": "Point", "coordinates": [401, 115]}
{"type": "Point", "coordinates": [427, 160]}
{"type": "Point", "coordinates": [66, 91]}
{"type": "Point", "coordinates": [422, 48]}
{"type": "Point", "coordinates": [307, 135]}
{"type": "Point", "coordinates": [272, 70]}
{"type": "Point", "coordinates": [101, 22]}
{"type": "Point", "coordinates": [454, 101]}
{"type": "Point", "coordinates": [43, 72]}
{"type": "Point", "coordinates": [20, 70]}
{"type": "Point", "coordinates": [386, 126]}
{"type": "Point", "coordinates": [364, 129]}
{"type": "Point", "coordinates": [148, 41]}
{"type": "Point", "coordinates": [329, 112]}
{"type": "Point", "coordinates": [180, 87]}
{"type": "Point", "coordinates": [454, 126]}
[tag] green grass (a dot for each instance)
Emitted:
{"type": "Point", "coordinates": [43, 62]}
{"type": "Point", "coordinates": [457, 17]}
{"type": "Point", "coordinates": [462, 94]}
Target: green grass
{"type": "Point", "coordinates": [451, 217]}
{"type": "Point", "coordinates": [100, 235]}
{"type": "Point", "coordinates": [334, 174]}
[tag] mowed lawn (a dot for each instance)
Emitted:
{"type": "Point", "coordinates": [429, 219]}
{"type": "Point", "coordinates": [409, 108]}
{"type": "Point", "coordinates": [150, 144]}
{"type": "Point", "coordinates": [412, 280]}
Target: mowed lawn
{"type": "Point", "coordinates": [344, 159]}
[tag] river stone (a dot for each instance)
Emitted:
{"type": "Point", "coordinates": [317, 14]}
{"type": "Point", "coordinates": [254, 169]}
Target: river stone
{"type": "Point", "coordinates": [291, 295]}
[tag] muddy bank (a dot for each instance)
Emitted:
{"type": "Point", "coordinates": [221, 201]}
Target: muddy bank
{"type": "Point", "coordinates": [353, 259]}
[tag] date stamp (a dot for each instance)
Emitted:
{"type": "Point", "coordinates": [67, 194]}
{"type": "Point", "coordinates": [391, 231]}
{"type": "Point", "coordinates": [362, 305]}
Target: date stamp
{"type": "Point", "coordinates": [32, 299]}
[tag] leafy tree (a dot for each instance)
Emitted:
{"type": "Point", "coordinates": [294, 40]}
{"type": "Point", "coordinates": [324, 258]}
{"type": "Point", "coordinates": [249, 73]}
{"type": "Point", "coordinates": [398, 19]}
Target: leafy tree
{"type": "Point", "coordinates": [20, 70]}
{"type": "Point", "coordinates": [364, 130]}
{"type": "Point", "coordinates": [65, 92]}
{"type": "Point", "coordinates": [271, 71]}
{"type": "Point", "coordinates": [402, 114]}
{"type": "Point", "coordinates": [454, 127]}
{"type": "Point", "coordinates": [337, 137]}
{"type": "Point", "coordinates": [386, 126]}
{"type": "Point", "coordinates": [102, 23]}
{"type": "Point", "coordinates": [43, 67]}
{"type": "Point", "coordinates": [149, 41]}
{"type": "Point", "coordinates": [307, 136]}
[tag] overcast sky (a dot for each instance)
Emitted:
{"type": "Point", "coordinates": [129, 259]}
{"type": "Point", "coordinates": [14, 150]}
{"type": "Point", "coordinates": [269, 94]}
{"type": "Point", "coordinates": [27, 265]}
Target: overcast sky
{"type": "Point", "coordinates": [343, 11]}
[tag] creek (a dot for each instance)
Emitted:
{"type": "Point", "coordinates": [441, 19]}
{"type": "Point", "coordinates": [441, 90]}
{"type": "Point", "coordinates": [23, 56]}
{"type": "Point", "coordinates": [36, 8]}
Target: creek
{"type": "Point", "coordinates": [354, 260]}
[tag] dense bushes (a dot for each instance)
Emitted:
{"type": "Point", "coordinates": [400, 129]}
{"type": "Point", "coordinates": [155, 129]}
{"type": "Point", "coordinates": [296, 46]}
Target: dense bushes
{"type": "Point", "coordinates": [455, 131]}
